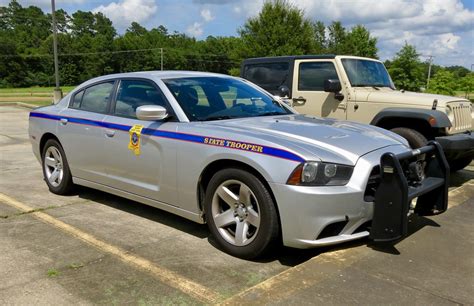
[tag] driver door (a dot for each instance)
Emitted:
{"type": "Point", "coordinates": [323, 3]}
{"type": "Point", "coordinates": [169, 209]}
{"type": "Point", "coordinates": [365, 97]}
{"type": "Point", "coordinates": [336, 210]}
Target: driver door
{"type": "Point", "coordinates": [152, 172]}
{"type": "Point", "coordinates": [309, 96]}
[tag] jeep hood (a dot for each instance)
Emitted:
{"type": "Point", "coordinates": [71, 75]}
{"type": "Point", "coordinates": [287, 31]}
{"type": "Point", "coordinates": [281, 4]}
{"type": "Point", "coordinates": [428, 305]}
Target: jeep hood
{"type": "Point", "coordinates": [326, 139]}
{"type": "Point", "coordinates": [396, 97]}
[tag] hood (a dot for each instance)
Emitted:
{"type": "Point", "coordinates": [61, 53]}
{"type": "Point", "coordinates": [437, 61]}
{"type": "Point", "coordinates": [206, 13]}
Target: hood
{"type": "Point", "coordinates": [403, 97]}
{"type": "Point", "coordinates": [328, 139]}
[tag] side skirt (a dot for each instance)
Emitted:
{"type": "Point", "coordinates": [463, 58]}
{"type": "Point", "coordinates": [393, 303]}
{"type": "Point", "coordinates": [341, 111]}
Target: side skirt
{"type": "Point", "coordinates": [160, 205]}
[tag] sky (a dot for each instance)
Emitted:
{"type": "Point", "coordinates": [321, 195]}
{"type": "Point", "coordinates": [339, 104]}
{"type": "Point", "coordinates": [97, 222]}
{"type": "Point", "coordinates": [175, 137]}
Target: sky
{"type": "Point", "coordinates": [442, 28]}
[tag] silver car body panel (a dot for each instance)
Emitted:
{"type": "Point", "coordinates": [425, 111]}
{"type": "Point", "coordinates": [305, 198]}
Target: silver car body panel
{"type": "Point", "coordinates": [174, 155]}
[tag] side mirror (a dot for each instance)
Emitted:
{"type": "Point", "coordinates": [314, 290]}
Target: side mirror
{"type": "Point", "coordinates": [332, 85]}
{"type": "Point", "coordinates": [151, 112]}
{"type": "Point", "coordinates": [284, 91]}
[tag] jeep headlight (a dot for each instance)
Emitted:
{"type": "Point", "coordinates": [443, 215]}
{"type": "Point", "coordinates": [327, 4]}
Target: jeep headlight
{"type": "Point", "coordinates": [450, 114]}
{"type": "Point", "coordinates": [320, 174]}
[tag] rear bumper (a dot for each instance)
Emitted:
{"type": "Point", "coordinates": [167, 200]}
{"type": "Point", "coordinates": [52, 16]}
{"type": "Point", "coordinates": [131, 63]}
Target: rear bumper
{"type": "Point", "coordinates": [457, 146]}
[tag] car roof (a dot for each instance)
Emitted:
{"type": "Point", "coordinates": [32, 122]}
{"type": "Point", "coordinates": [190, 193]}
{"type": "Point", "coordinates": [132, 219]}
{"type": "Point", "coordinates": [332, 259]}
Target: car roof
{"type": "Point", "coordinates": [165, 74]}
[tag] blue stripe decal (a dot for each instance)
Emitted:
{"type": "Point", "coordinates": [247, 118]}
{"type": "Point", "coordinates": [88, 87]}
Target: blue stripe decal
{"type": "Point", "coordinates": [230, 144]}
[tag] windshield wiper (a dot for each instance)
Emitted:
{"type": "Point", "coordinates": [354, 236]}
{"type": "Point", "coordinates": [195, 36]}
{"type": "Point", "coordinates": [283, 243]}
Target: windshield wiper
{"type": "Point", "coordinates": [218, 117]}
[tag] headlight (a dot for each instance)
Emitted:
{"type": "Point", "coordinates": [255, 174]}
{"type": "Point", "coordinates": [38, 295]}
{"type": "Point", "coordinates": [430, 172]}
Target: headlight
{"type": "Point", "coordinates": [450, 114]}
{"type": "Point", "coordinates": [320, 174]}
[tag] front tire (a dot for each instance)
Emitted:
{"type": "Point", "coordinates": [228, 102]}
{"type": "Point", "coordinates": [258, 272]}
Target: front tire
{"type": "Point", "coordinates": [415, 139]}
{"type": "Point", "coordinates": [241, 213]}
{"type": "Point", "coordinates": [56, 168]}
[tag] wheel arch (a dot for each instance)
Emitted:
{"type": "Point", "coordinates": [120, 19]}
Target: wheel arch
{"type": "Point", "coordinates": [427, 122]}
{"type": "Point", "coordinates": [47, 136]}
{"type": "Point", "coordinates": [221, 164]}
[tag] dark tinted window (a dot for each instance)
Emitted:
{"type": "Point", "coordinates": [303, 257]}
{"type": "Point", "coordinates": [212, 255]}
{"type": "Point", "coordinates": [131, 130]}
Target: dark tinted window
{"type": "Point", "coordinates": [313, 74]}
{"type": "Point", "coordinates": [76, 102]}
{"type": "Point", "coordinates": [134, 93]}
{"type": "Point", "coordinates": [216, 98]}
{"type": "Point", "coordinates": [269, 76]}
{"type": "Point", "coordinates": [96, 98]}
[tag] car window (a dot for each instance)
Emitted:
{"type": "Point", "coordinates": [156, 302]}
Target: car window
{"type": "Point", "coordinates": [269, 76]}
{"type": "Point", "coordinates": [215, 98]}
{"type": "Point", "coordinates": [76, 102]}
{"type": "Point", "coordinates": [135, 93]}
{"type": "Point", "coordinates": [313, 74]}
{"type": "Point", "coordinates": [95, 98]}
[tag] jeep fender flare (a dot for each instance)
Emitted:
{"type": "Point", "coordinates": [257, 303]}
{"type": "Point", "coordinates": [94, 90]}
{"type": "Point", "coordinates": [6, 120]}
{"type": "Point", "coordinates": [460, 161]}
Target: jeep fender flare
{"type": "Point", "coordinates": [435, 118]}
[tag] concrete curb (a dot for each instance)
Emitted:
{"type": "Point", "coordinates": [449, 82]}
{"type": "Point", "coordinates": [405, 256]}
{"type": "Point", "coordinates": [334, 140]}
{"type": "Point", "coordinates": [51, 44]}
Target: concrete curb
{"type": "Point", "coordinates": [20, 104]}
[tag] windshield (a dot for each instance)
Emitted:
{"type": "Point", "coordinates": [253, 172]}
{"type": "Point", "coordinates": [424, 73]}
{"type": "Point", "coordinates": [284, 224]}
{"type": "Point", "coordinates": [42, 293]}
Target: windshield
{"type": "Point", "coordinates": [364, 73]}
{"type": "Point", "coordinates": [217, 98]}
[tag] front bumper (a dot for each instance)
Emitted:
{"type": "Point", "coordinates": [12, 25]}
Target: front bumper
{"type": "Point", "coordinates": [457, 146]}
{"type": "Point", "coordinates": [320, 216]}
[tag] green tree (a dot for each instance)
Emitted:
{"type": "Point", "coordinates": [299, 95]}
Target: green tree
{"type": "Point", "coordinates": [336, 42]}
{"type": "Point", "coordinates": [406, 70]}
{"type": "Point", "coordinates": [443, 83]}
{"type": "Point", "coordinates": [467, 84]}
{"type": "Point", "coordinates": [358, 42]}
{"type": "Point", "coordinates": [319, 37]}
{"type": "Point", "coordinates": [279, 29]}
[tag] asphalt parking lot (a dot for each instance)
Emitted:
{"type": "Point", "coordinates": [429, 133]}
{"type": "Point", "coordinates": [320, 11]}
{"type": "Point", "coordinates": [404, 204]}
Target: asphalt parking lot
{"type": "Point", "coordinates": [95, 248]}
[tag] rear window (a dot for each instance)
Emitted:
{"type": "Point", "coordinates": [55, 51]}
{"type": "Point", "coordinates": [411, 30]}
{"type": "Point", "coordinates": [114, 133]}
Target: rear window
{"type": "Point", "coordinates": [269, 76]}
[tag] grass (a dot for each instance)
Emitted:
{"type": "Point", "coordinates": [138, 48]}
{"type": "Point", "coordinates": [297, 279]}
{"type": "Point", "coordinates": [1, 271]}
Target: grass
{"type": "Point", "coordinates": [32, 95]}
{"type": "Point", "coordinates": [34, 90]}
{"type": "Point", "coordinates": [53, 272]}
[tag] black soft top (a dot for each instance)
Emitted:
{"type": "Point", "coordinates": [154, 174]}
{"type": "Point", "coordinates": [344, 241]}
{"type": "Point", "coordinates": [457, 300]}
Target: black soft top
{"type": "Point", "coordinates": [288, 58]}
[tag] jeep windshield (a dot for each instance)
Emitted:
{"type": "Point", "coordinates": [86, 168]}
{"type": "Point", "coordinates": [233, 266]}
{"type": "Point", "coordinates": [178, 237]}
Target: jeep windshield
{"type": "Point", "coordinates": [366, 73]}
{"type": "Point", "coordinates": [218, 98]}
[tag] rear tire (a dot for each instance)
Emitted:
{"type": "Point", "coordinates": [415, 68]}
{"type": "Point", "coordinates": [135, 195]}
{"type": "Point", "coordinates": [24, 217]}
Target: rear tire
{"type": "Point", "coordinates": [415, 139]}
{"type": "Point", "coordinates": [459, 164]}
{"type": "Point", "coordinates": [56, 171]}
{"type": "Point", "coordinates": [241, 213]}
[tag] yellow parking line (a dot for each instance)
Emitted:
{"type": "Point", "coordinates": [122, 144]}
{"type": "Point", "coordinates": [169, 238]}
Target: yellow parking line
{"type": "Point", "coordinates": [285, 284]}
{"type": "Point", "coordinates": [168, 277]}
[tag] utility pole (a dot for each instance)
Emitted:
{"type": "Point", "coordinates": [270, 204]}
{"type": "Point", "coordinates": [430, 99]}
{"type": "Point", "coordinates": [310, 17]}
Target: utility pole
{"type": "Point", "coordinates": [430, 60]}
{"type": "Point", "coordinates": [161, 54]}
{"type": "Point", "coordinates": [58, 94]}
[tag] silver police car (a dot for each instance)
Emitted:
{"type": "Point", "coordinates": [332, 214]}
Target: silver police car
{"type": "Point", "coordinates": [219, 150]}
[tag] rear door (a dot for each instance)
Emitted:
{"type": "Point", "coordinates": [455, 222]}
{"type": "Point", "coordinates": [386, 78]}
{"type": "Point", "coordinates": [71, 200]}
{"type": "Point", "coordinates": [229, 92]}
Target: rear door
{"type": "Point", "coordinates": [309, 96]}
{"type": "Point", "coordinates": [152, 172]}
{"type": "Point", "coordinates": [80, 131]}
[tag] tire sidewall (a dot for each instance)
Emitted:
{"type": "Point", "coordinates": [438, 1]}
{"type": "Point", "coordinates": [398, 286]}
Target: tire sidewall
{"type": "Point", "coordinates": [66, 183]}
{"type": "Point", "coordinates": [269, 224]}
{"type": "Point", "coordinates": [415, 139]}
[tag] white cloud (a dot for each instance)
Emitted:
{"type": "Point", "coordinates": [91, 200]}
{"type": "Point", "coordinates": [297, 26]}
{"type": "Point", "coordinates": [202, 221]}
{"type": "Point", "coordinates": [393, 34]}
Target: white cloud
{"type": "Point", "coordinates": [440, 27]}
{"type": "Point", "coordinates": [206, 15]}
{"type": "Point", "coordinates": [195, 29]}
{"type": "Point", "coordinates": [124, 12]}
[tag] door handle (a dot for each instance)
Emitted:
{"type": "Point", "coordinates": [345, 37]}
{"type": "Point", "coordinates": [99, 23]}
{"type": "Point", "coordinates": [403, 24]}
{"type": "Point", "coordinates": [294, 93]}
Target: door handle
{"type": "Point", "coordinates": [356, 106]}
{"type": "Point", "coordinates": [63, 121]}
{"type": "Point", "coordinates": [299, 101]}
{"type": "Point", "coordinates": [109, 133]}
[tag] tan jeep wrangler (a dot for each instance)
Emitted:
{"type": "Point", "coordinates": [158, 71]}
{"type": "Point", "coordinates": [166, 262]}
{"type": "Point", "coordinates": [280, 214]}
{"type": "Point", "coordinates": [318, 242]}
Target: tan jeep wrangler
{"type": "Point", "coordinates": [360, 89]}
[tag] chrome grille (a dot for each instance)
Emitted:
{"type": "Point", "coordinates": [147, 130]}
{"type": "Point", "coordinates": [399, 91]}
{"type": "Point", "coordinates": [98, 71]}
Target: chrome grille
{"type": "Point", "coordinates": [462, 117]}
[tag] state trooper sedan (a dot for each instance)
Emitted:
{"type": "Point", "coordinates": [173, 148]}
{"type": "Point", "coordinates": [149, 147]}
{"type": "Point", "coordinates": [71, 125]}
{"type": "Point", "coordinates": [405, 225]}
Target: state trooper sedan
{"type": "Point", "coordinates": [219, 150]}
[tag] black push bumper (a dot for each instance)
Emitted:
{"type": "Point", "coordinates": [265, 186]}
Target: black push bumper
{"type": "Point", "coordinates": [457, 146]}
{"type": "Point", "coordinates": [395, 191]}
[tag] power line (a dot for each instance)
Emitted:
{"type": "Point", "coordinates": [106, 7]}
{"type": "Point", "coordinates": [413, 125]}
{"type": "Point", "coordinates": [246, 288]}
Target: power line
{"type": "Point", "coordinates": [129, 51]}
